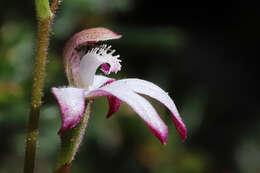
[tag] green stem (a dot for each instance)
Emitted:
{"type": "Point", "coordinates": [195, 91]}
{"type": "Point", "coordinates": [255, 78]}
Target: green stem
{"type": "Point", "coordinates": [71, 140]}
{"type": "Point", "coordinates": [45, 19]}
{"type": "Point", "coordinates": [38, 81]}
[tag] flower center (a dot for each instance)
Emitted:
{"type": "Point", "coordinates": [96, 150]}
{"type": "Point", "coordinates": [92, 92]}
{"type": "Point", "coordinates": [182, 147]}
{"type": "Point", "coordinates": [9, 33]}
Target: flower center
{"type": "Point", "coordinates": [102, 55]}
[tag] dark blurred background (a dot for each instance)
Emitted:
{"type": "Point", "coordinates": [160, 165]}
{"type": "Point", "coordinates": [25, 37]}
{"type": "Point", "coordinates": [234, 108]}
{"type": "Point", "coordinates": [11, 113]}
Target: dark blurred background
{"type": "Point", "coordinates": [192, 49]}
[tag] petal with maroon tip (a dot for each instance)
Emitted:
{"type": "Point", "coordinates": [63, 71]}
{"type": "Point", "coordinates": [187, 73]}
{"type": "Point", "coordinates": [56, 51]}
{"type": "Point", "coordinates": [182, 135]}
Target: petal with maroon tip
{"type": "Point", "coordinates": [152, 90]}
{"type": "Point", "coordinates": [140, 105]}
{"type": "Point", "coordinates": [72, 106]}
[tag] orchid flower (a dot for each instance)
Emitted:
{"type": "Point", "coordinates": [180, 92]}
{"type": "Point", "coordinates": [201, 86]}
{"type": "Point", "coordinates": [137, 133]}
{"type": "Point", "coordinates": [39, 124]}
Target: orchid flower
{"type": "Point", "coordinates": [82, 57]}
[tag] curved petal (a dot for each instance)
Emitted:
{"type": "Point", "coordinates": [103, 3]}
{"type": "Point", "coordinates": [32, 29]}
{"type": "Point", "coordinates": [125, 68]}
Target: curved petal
{"type": "Point", "coordinates": [152, 90]}
{"type": "Point", "coordinates": [72, 106]}
{"type": "Point", "coordinates": [140, 105]}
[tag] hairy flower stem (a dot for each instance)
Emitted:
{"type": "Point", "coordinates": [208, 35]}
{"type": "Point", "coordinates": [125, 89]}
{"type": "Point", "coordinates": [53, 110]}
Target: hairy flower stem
{"type": "Point", "coordinates": [38, 81]}
{"type": "Point", "coordinates": [71, 140]}
{"type": "Point", "coordinates": [45, 19]}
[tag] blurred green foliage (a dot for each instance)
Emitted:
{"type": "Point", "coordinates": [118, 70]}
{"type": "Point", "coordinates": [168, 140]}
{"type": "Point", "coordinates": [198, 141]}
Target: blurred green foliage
{"type": "Point", "coordinates": [122, 143]}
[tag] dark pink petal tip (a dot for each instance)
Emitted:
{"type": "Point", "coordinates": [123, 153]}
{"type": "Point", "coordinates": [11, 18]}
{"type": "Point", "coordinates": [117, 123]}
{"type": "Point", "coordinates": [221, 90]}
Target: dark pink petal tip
{"type": "Point", "coordinates": [72, 106]}
{"type": "Point", "coordinates": [114, 105]}
{"type": "Point", "coordinates": [181, 128]}
{"type": "Point", "coordinates": [163, 137]}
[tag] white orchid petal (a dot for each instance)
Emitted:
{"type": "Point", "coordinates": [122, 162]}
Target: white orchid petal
{"type": "Point", "coordinates": [72, 106]}
{"type": "Point", "coordinates": [152, 90]}
{"type": "Point", "coordinates": [140, 105]}
{"type": "Point", "coordinates": [88, 67]}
